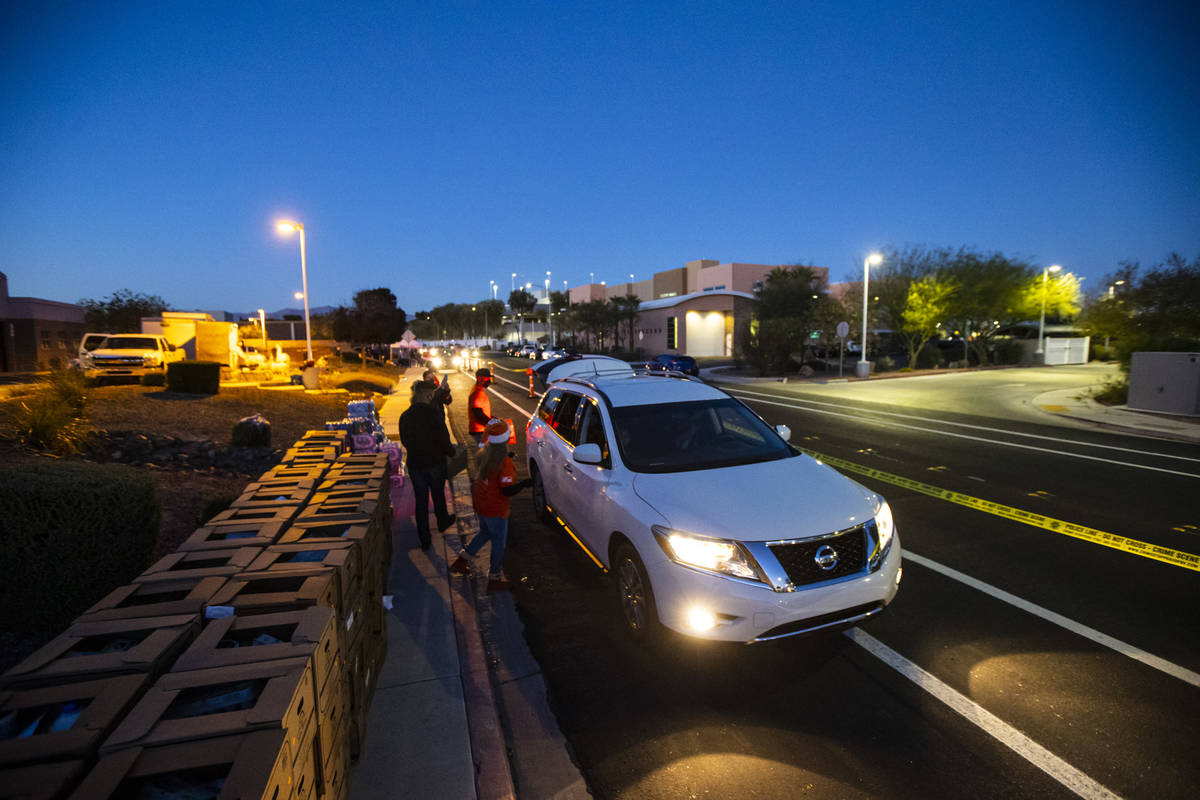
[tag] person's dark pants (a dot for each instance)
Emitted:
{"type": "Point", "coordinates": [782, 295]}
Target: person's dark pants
{"type": "Point", "coordinates": [430, 480]}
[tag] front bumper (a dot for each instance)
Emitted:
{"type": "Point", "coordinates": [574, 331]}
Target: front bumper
{"type": "Point", "coordinates": [748, 612]}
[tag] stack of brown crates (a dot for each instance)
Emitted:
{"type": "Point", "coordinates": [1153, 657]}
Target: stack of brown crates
{"type": "Point", "coordinates": [241, 665]}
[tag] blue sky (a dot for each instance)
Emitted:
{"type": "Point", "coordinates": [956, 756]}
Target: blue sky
{"type": "Point", "coordinates": [432, 147]}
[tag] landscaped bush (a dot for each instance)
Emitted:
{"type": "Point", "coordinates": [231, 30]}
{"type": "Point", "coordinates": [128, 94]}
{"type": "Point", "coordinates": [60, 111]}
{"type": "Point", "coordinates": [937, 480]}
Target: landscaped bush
{"type": "Point", "coordinates": [885, 364]}
{"type": "Point", "coordinates": [930, 357]}
{"type": "Point", "coordinates": [70, 532]}
{"type": "Point", "coordinates": [154, 379]}
{"type": "Point", "coordinates": [1007, 351]}
{"type": "Point", "coordinates": [194, 377]}
{"type": "Point", "coordinates": [45, 421]}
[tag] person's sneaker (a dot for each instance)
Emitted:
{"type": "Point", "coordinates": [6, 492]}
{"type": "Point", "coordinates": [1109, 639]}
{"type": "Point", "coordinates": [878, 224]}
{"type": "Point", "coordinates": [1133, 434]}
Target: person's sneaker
{"type": "Point", "coordinates": [460, 566]}
{"type": "Point", "coordinates": [449, 521]}
{"type": "Point", "coordinates": [499, 585]}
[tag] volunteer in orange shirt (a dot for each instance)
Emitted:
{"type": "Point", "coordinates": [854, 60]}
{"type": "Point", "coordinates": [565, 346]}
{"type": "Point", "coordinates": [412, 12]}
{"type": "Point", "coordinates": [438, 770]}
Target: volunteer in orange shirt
{"type": "Point", "coordinates": [495, 482]}
{"type": "Point", "coordinates": [479, 406]}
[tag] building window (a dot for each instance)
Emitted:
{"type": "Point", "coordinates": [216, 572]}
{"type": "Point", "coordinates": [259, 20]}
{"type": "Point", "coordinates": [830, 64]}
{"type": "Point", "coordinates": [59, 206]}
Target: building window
{"type": "Point", "coordinates": [714, 288]}
{"type": "Point", "coordinates": [64, 341]}
{"type": "Point", "coordinates": [45, 340]}
{"type": "Point", "coordinates": [670, 333]}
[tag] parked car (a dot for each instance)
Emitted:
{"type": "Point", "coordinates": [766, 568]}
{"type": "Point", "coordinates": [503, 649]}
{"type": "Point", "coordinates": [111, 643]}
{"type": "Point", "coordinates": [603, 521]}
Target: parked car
{"type": "Point", "coordinates": [129, 355]}
{"type": "Point", "coordinates": [676, 363]}
{"type": "Point", "coordinates": [711, 523]}
{"type": "Point", "coordinates": [527, 351]}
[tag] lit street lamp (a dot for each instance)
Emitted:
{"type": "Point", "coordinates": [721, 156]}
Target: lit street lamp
{"type": "Point", "coordinates": [863, 369]}
{"type": "Point", "coordinates": [262, 323]}
{"type": "Point", "coordinates": [1041, 348]}
{"type": "Point", "coordinates": [494, 288]}
{"type": "Point", "coordinates": [286, 227]}
{"type": "Point", "coordinates": [513, 282]}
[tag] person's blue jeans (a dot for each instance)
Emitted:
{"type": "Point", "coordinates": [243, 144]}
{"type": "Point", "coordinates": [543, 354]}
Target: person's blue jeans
{"type": "Point", "coordinates": [428, 481]}
{"type": "Point", "coordinates": [494, 530]}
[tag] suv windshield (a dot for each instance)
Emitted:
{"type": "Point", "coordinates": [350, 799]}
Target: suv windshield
{"type": "Point", "coordinates": [131, 343]}
{"type": "Point", "coordinates": [705, 434]}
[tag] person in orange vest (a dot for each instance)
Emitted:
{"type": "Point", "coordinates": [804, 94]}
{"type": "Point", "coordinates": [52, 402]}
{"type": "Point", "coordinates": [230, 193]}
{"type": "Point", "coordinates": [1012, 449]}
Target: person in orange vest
{"type": "Point", "coordinates": [479, 406]}
{"type": "Point", "coordinates": [495, 482]}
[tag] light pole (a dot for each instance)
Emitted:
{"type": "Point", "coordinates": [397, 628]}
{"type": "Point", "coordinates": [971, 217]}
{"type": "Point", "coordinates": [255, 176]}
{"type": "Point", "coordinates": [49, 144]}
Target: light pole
{"type": "Point", "coordinates": [494, 288]}
{"type": "Point", "coordinates": [262, 323]}
{"type": "Point", "coordinates": [473, 325]}
{"type": "Point", "coordinates": [863, 369]}
{"type": "Point", "coordinates": [513, 282]}
{"type": "Point", "coordinates": [1041, 348]}
{"type": "Point", "coordinates": [285, 227]}
{"type": "Point", "coordinates": [549, 322]}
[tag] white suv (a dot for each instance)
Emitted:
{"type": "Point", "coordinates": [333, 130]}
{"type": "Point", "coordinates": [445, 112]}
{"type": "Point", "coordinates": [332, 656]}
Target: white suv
{"type": "Point", "coordinates": [713, 525]}
{"type": "Point", "coordinates": [129, 354]}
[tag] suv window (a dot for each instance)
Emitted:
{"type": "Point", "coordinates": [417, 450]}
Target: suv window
{"type": "Point", "coordinates": [591, 429]}
{"type": "Point", "coordinates": [704, 434]}
{"type": "Point", "coordinates": [549, 404]}
{"type": "Point", "coordinates": [564, 417]}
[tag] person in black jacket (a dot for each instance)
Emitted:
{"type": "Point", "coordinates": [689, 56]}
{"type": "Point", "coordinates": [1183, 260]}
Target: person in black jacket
{"type": "Point", "coordinates": [427, 441]}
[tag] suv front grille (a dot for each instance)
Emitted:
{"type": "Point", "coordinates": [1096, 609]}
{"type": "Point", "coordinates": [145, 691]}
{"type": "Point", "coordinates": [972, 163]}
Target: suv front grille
{"type": "Point", "coordinates": [118, 361]}
{"type": "Point", "coordinates": [799, 559]}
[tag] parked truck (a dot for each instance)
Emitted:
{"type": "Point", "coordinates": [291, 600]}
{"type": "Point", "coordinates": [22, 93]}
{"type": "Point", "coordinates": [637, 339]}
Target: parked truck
{"type": "Point", "coordinates": [125, 355]}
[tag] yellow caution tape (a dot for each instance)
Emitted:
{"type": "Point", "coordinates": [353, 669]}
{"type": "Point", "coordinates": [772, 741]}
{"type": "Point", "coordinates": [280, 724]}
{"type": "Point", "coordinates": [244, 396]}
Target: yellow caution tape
{"type": "Point", "coordinates": [1166, 555]}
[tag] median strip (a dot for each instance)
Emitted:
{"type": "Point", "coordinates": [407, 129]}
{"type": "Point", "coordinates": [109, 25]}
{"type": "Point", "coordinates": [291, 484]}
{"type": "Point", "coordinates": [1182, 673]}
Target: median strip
{"type": "Point", "coordinates": [1176, 558]}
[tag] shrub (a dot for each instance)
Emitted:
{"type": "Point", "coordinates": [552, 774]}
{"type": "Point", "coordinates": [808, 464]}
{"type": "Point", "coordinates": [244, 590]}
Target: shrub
{"type": "Point", "coordinates": [70, 386]}
{"type": "Point", "coordinates": [194, 377]}
{"type": "Point", "coordinates": [154, 379]}
{"type": "Point", "coordinates": [1007, 351]}
{"type": "Point", "coordinates": [1113, 392]}
{"type": "Point", "coordinates": [885, 364]}
{"type": "Point", "coordinates": [70, 533]}
{"type": "Point", "coordinates": [930, 357]}
{"type": "Point", "coordinates": [44, 421]}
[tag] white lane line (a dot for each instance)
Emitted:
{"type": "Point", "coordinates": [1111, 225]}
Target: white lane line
{"type": "Point", "coordinates": [1010, 737]}
{"type": "Point", "coordinates": [972, 427]}
{"type": "Point", "coordinates": [524, 388]}
{"type": "Point", "coordinates": [980, 438]}
{"type": "Point", "coordinates": [1128, 650]}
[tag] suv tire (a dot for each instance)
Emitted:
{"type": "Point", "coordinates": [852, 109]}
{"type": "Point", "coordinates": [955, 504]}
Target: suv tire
{"type": "Point", "coordinates": [634, 594]}
{"type": "Point", "coordinates": [541, 503]}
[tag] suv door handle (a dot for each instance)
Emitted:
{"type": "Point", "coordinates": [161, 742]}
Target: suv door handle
{"type": "Point", "coordinates": [567, 468]}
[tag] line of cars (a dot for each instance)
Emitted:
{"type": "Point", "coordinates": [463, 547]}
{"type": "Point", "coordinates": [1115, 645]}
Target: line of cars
{"type": "Point", "coordinates": [712, 524]}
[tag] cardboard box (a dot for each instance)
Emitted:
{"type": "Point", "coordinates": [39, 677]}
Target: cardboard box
{"type": "Point", "coordinates": [368, 484]}
{"type": "Point", "coordinates": [348, 528]}
{"type": "Point", "coordinates": [334, 710]}
{"type": "Point", "coordinates": [343, 557]}
{"type": "Point", "coordinates": [311, 471]}
{"type": "Point", "coordinates": [346, 460]}
{"type": "Point", "coordinates": [368, 507]}
{"type": "Point", "coordinates": [310, 455]}
{"type": "Point", "coordinates": [200, 564]}
{"type": "Point", "coordinates": [330, 438]}
{"type": "Point", "coordinates": [201, 704]}
{"type": "Point", "coordinates": [92, 650]}
{"type": "Point", "coordinates": [225, 535]}
{"type": "Point", "coordinates": [277, 590]}
{"type": "Point", "coordinates": [41, 781]}
{"type": "Point", "coordinates": [311, 633]}
{"type": "Point", "coordinates": [335, 771]}
{"type": "Point", "coordinates": [253, 766]}
{"type": "Point", "coordinates": [162, 598]}
{"type": "Point", "coordinates": [277, 512]}
{"type": "Point", "coordinates": [288, 490]}
{"type": "Point", "coordinates": [65, 721]}
{"type": "Point", "coordinates": [306, 769]}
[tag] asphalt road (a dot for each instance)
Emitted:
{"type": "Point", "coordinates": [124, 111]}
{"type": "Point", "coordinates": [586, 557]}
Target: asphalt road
{"type": "Point", "coordinates": [1016, 661]}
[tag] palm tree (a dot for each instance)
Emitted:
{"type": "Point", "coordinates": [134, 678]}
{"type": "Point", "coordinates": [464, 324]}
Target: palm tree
{"type": "Point", "coordinates": [521, 302]}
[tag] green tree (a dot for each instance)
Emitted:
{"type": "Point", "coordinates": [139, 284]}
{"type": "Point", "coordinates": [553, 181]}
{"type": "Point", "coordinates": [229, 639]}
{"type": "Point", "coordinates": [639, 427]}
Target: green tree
{"type": "Point", "coordinates": [788, 301]}
{"type": "Point", "coordinates": [925, 308]}
{"type": "Point", "coordinates": [375, 318]}
{"type": "Point", "coordinates": [989, 295]}
{"type": "Point", "coordinates": [520, 303]}
{"type": "Point", "coordinates": [121, 312]}
{"type": "Point", "coordinates": [624, 309]}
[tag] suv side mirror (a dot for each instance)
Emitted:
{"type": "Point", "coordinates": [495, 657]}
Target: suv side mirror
{"type": "Point", "coordinates": [784, 432]}
{"type": "Point", "coordinates": [588, 453]}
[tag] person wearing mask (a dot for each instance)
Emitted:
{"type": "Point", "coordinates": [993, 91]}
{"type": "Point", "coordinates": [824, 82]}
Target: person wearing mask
{"type": "Point", "coordinates": [479, 406]}
{"type": "Point", "coordinates": [427, 441]}
{"type": "Point", "coordinates": [494, 483]}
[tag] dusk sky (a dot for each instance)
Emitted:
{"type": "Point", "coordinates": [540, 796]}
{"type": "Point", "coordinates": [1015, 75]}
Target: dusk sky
{"type": "Point", "coordinates": [431, 147]}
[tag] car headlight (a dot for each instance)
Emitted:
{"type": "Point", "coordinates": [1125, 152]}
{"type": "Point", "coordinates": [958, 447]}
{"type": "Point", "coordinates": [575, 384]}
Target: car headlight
{"type": "Point", "coordinates": [721, 556]}
{"type": "Point", "coordinates": [150, 359]}
{"type": "Point", "coordinates": [437, 362]}
{"type": "Point", "coordinates": [885, 528]}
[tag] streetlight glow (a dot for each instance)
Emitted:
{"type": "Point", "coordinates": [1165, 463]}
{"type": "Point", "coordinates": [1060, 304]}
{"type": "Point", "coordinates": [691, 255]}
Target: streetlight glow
{"type": "Point", "coordinates": [287, 227]}
{"type": "Point", "coordinates": [864, 370]}
{"type": "Point", "coordinates": [1041, 348]}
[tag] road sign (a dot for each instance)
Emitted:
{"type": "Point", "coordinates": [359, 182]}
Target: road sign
{"type": "Point", "coordinates": [843, 329]}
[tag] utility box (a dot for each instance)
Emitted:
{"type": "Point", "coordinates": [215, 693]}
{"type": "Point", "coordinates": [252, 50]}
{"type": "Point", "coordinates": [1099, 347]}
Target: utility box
{"type": "Point", "coordinates": [1168, 383]}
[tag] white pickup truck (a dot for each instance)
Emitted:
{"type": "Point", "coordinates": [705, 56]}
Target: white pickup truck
{"type": "Point", "coordinates": [129, 355]}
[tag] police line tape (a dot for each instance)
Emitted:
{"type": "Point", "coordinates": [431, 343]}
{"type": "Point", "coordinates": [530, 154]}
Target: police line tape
{"type": "Point", "coordinates": [1166, 555]}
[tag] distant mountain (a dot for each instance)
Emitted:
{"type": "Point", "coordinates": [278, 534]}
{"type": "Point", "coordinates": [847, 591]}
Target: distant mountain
{"type": "Point", "coordinates": [312, 312]}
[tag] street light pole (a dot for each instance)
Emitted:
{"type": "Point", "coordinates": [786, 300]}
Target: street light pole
{"type": "Point", "coordinates": [1041, 348]}
{"type": "Point", "coordinates": [285, 227]}
{"type": "Point", "coordinates": [863, 369]}
{"type": "Point", "coordinates": [549, 308]}
{"type": "Point", "coordinates": [513, 282]}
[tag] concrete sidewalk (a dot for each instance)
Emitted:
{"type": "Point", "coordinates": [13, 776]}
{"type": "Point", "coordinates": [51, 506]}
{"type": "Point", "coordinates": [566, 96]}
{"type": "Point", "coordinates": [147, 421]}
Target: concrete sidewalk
{"type": "Point", "coordinates": [454, 716]}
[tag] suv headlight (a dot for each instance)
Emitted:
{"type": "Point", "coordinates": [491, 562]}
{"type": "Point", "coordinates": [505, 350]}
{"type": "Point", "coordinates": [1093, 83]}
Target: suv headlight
{"type": "Point", "coordinates": [885, 528]}
{"type": "Point", "coordinates": [150, 359]}
{"type": "Point", "coordinates": [720, 556]}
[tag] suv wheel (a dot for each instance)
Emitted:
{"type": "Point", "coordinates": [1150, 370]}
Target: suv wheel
{"type": "Point", "coordinates": [541, 503]}
{"type": "Point", "coordinates": [634, 593]}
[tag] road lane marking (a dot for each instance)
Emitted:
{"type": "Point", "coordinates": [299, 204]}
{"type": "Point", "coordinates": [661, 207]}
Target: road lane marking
{"type": "Point", "coordinates": [1166, 555]}
{"type": "Point", "coordinates": [1058, 769]}
{"type": "Point", "coordinates": [1128, 650]}
{"type": "Point", "coordinates": [972, 427]}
